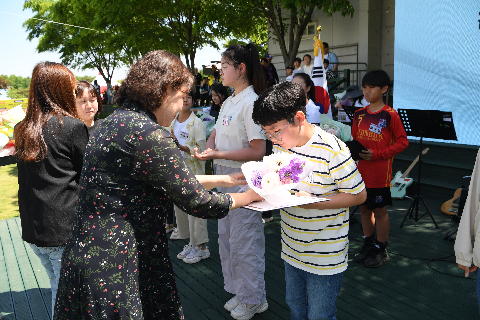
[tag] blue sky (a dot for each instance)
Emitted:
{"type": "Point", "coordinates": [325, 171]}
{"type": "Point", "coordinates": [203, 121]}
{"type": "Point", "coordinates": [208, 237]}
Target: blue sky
{"type": "Point", "coordinates": [18, 55]}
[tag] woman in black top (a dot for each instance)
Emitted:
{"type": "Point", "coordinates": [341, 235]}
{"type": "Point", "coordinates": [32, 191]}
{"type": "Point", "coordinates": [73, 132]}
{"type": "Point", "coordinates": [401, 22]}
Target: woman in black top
{"type": "Point", "coordinates": [50, 143]}
{"type": "Point", "coordinates": [116, 263]}
{"type": "Point", "coordinates": [88, 104]}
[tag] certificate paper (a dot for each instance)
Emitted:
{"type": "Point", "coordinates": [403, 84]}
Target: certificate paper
{"type": "Point", "coordinates": [293, 202]}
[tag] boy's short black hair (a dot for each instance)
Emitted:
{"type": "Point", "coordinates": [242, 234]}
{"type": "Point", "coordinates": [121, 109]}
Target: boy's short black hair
{"type": "Point", "coordinates": [298, 60]}
{"type": "Point", "coordinates": [376, 78]}
{"type": "Point", "coordinates": [277, 103]}
{"type": "Point", "coordinates": [326, 61]}
{"type": "Point", "coordinates": [290, 67]}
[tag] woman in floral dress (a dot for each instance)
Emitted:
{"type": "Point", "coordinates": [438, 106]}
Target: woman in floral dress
{"type": "Point", "coordinates": [116, 263]}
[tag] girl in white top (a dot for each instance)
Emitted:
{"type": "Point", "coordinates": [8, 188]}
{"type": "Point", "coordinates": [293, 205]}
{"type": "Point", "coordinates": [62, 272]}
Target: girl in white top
{"type": "Point", "coordinates": [313, 111]}
{"type": "Point", "coordinates": [190, 133]}
{"type": "Point", "coordinates": [308, 67]}
{"type": "Point", "coordinates": [235, 140]}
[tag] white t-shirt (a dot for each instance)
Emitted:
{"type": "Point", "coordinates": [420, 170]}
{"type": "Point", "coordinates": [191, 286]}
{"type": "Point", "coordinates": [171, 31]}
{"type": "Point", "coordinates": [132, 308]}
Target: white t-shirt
{"type": "Point", "coordinates": [308, 70]}
{"type": "Point", "coordinates": [299, 70]}
{"type": "Point", "coordinates": [235, 127]}
{"type": "Point", "coordinates": [313, 112]}
{"type": "Point", "coordinates": [315, 240]}
{"type": "Point", "coordinates": [180, 131]}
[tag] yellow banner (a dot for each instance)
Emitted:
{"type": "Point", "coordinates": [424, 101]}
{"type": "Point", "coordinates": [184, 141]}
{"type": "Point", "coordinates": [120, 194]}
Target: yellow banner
{"type": "Point", "coordinates": [9, 104]}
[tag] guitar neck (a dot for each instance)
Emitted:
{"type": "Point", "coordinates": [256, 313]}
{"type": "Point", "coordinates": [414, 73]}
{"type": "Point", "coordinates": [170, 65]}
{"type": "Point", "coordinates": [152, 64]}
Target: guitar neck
{"type": "Point", "coordinates": [410, 168]}
{"type": "Point", "coordinates": [413, 164]}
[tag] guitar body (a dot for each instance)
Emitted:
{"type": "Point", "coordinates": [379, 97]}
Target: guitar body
{"type": "Point", "coordinates": [399, 186]}
{"type": "Point", "coordinates": [450, 207]}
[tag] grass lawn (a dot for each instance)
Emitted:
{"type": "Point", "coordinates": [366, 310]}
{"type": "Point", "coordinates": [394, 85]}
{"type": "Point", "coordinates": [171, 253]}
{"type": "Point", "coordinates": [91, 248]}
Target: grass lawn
{"type": "Point", "coordinates": [8, 192]}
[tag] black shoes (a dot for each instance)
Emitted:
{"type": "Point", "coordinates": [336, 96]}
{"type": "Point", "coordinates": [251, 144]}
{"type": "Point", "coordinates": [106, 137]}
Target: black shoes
{"type": "Point", "coordinates": [368, 242]}
{"type": "Point", "coordinates": [378, 255]}
{"type": "Point", "coordinates": [373, 253]}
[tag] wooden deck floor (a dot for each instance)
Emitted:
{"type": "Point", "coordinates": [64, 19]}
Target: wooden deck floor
{"type": "Point", "coordinates": [421, 280]}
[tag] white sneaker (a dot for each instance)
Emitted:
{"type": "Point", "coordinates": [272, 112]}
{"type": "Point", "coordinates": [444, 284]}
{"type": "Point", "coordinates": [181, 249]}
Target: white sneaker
{"type": "Point", "coordinates": [267, 219]}
{"type": "Point", "coordinates": [231, 304]}
{"type": "Point", "coordinates": [196, 255]}
{"type": "Point", "coordinates": [174, 235]}
{"type": "Point", "coordinates": [246, 311]}
{"type": "Point", "coordinates": [186, 250]}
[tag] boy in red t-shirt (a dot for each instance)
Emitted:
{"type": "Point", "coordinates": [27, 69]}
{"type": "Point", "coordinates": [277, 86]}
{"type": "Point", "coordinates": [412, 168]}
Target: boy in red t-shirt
{"type": "Point", "coordinates": [379, 129]}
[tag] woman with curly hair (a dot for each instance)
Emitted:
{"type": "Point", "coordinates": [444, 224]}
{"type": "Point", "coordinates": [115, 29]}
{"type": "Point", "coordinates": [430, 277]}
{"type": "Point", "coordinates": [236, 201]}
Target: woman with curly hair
{"type": "Point", "coordinates": [116, 263]}
{"type": "Point", "coordinates": [50, 143]}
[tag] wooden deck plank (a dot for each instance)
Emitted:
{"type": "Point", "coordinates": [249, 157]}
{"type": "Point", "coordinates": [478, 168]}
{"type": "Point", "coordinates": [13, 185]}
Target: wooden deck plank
{"type": "Point", "coordinates": [39, 272]}
{"type": "Point", "coordinates": [6, 299]}
{"type": "Point", "coordinates": [34, 295]}
{"type": "Point", "coordinates": [20, 302]}
{"type": "Point", "coordinates": [406, 287]}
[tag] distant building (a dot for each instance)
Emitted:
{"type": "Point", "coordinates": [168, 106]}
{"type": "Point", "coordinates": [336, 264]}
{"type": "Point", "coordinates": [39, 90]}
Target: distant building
{"type": "Point", "coordinates": [366, 39]}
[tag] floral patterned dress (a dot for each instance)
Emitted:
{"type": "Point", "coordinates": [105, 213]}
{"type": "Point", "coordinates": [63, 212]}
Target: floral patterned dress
{"type": "Point", "coordinates": [116, 263]}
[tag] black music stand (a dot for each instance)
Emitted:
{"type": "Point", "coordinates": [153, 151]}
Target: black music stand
{"type": "Point", "coordinates": [350, 111]}
{"type": "Point", "coordinates": [434, 124]}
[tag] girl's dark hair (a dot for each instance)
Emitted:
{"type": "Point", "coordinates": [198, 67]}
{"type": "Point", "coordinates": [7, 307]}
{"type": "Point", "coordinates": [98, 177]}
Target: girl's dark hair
{"type": "Point", "coordinates": [248, 55]}
{"type": "Point", "coordinates": [148, 79]}
{"type": "Point", "coordinates": [51, 94]}
{"type": "Point", "coordinates": [222, 91]}
{"type": "Point", "coordinates": [82, 85]}
{"type": "Point", "coordinates": [191, 93]}
{"type": "Point", "coordinates": [309, 83]}
{"type": "Point", "coordinates": [277, 103]}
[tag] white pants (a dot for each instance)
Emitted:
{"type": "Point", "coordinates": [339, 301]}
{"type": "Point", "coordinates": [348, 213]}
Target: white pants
{"type": "Point", "coordinates": [191, 227]}
{"type": "Point", "coordinates": [242, 250]}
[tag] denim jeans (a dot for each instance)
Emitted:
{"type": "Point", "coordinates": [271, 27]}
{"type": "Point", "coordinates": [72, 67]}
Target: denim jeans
{"type": "Point", "coordinates": [51, 259]}
{"type": "Point", "coordinates": [311, 296]}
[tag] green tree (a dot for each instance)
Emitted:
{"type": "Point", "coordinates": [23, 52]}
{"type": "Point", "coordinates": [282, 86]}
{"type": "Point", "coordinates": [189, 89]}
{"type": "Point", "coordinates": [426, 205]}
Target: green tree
{"type": "Point", "coordinates": [259, 36]}
{"type": "Point", "coordinates": [4, 83]}
{"type": "Point", "coordinates": [85, 78]}
{"type": "Point", "coordinates": [82, 48]}
{"type": "Point", "coordinates": [287, 19]}
{"type": "Point", "coordinates": [20, 93]}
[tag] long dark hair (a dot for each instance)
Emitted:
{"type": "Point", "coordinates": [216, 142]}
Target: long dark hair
{"type": "Point", "coordinates": [222, 91]}
{"type": "Point", "coordinates": [309, 83]}
{"type": "Point", "coordinates": [51, 94]}
{"type": "Point", "coordinates": [248, 55]}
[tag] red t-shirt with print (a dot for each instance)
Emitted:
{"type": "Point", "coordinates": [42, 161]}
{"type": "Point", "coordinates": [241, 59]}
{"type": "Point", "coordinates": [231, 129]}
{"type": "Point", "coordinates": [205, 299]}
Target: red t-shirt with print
{"type": "Point", "coordinates": [384, 134]}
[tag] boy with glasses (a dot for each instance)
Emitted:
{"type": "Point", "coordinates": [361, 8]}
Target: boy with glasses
{"type": "Point", "coordinates": [314, 236]}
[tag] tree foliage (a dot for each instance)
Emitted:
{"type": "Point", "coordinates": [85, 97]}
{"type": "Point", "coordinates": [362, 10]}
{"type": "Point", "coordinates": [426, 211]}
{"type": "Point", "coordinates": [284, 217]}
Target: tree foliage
{"type": "Point", "coordinates": [17, 86]}
{"type": "Point", "coordinates": [79, 47]}
{"type": "Point", "coordinates": [85, 78]}
{"type": "Point", "coordinates": [288, 19]}
{"type": "Point", "coordinates": [4, 83]}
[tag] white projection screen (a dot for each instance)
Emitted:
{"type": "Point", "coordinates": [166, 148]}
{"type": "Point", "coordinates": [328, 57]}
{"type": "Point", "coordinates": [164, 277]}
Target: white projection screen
{"type": "Point", "coordinates": [437, 61]}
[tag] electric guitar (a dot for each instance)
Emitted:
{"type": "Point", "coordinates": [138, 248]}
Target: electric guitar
{"type": "Point", "coordinates": [450, 207]}
{"type": "Point", "coordinates": [400, 183]}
